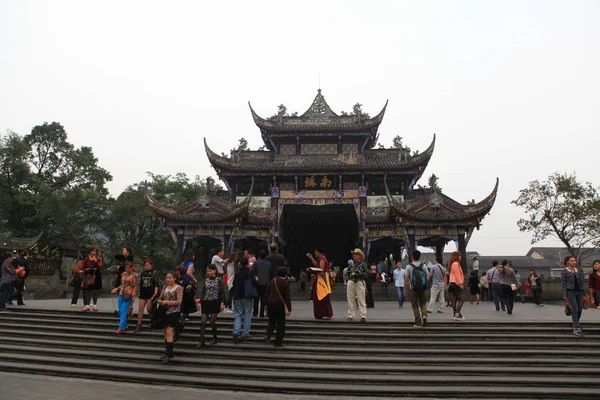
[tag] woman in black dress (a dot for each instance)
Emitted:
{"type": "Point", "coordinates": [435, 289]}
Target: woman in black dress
{"type": "Point", "coordinates": [212, 302]}
{"type": "Point", "coordinates": [170, 303]}
{"type": "Point", "coordinates": [474, 286]}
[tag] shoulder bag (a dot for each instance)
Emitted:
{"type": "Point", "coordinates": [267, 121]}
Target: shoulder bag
{"type": "Point", "coordinates": [285, 309]}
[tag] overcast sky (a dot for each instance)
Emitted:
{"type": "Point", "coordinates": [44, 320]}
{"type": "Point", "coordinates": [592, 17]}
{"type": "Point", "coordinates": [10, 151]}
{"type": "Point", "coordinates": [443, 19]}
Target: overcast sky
{"type": "Point", "coordinates": [511, 88]}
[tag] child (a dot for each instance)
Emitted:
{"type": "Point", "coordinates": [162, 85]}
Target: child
{"type": "Point", "coordinates": [212, 302]}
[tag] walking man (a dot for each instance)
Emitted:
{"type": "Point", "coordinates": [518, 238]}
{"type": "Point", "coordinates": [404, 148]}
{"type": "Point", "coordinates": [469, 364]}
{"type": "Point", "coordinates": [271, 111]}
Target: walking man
{"type": "Point", "coordinates": [399, 275]}
{"type": "Point", "coordinates": [219, 262]}
{"type": "Point", "coordinates": [356, 286]}
{"type": "Point", "coordinates": [494, 279]}
{"type": "Point", "coordinates": [415, 285]}
{"type": "Point", "coordinates": [262, 269]}
{"type": "Point", "coordinates": [437, 286]}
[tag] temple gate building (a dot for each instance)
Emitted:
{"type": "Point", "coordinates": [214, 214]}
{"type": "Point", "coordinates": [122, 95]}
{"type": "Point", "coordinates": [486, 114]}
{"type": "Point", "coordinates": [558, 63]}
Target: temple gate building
{"type": "Point", "coordinates": [320, 181]}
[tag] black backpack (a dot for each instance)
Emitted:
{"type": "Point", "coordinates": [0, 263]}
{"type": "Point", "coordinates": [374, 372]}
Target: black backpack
{"type": "Point", "coordinates": [418, 280]}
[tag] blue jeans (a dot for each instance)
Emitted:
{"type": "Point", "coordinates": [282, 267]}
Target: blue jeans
{"type": "Point", "coordinates": [400, 294]}
{"type": "Point", "coordinates": [242, 310]}
{"type": "Point", "coordinates": [497, 296]}
{"type": "Point", "coordinates": [576, 302]}
{"type": "Point", "coordinates": [123, 307]}
{"type": "Point", "coordinates": [6, 292]}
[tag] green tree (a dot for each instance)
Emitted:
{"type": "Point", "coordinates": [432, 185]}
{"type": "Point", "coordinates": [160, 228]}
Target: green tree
{"type": "Point", "coordinates": [15, 176]}
{"type": "Point", "coordinates": [563, 208]}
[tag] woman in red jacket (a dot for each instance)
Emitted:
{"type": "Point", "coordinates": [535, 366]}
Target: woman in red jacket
{"type": "Point", "coordinates": [91, 282]}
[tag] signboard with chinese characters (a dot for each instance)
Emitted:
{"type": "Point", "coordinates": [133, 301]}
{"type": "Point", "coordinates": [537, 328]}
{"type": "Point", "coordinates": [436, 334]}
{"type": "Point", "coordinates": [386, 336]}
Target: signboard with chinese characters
{"type": "Point", "coordinates": [45, 262]}
{"type": "Point", "coordinates": [317, 182]}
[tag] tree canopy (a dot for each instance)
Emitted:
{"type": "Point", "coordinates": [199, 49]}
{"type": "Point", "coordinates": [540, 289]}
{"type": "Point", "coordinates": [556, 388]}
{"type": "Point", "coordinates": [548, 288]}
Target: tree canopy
{"type": "Point", "coordinates": [563, 208]}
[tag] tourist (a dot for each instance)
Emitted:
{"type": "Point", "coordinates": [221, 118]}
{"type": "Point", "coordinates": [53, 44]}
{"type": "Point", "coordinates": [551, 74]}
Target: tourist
{"type": "Point", "coordinates": [129, 283]}
{"type": "Point", "coordinates": [519, 291]}
{"type": "Point", "coordinates": [19, 282]}
{"type": "Point", "coordinates": [276, 259]}
{"type": "Point", "coordinates": [124, 257]}
{"type": "Point", "coordinates": [572, 287]}
{"type": "Point", "coordinates": [438, 272]}
{"type": "Point", "coordinates": [91, 281]}
{"type": "Point", "coordinates": [188, 262]}
{"type": "Point", "coordinates": [279, 306]}
{"type": "Point", "coordinates": [594, 284]}
{"type": "Point", "coordinates": [148, 291]}
{"type": "Point", "coordinates": [262, 270]}
{"type": "Point", "coordinates": [493, 276]}
{"type": "Point", "coordinates": [399, 275]}
{"type": "Point", "coordinates": [484, 284]}
{"type": "Point", "coordinates": [356, 287]}
{"type": "Point", "coordinates": [244, 292]}
{"type": "Point", "coordinates": [219, 262]}
{"type": "Point", "coordinates": [249, 254]}
{"type": "Point", "coordinates": [384, 280]}
{"type": "Point", "coordinates": [212, 302]}
{"type": "Point", "coordinates": [188, 304]}
{"type": "Point", "coordinates": [321, 285]}
{"type": "Point", "coordinates": [535, 283]}
{"type": "Point", "coordinates": [76, 278]}
{"type": "Point", "coordinates": [8, 275]}
{"type": "Point", "coordinates": [457, 284]}
{"type": "Point", "coordinates": [509, 285]}
{"type": "Point", "coordinates": [303, 281]}
{"type": "Point", "coordinates": [415, 285]}
{"type": "Point", "coordinates": [169, 303]}
{"type": "Point", "coordinates": [345, 271]}
{"type": "Point", "coordinates": [371, 277]}
{"type": "Point", "coordinates": [232, 265]}
{"type": "Point", "coordinates": [475, 265]}
{"type": "Point", "coordinates": [473, 286]}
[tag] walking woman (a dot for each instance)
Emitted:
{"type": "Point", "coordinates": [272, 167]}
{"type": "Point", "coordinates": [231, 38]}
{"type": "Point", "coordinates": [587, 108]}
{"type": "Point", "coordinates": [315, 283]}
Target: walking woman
{"type": "Point", "coordinates": [129, 283]}
{"type": "Point", "coordinates": [149, 285]}
{"type": "Point", "coordinates": [321, 286]}
{"type": "Point", "coordinates": [189, 291]}
{"type": "Point", "coordinates": [535, 283]}
{"type": "Point", "coordinates": [91, 282]}
{"type": "Point", "coordinates": [279, 306]}
{"type": "Point", "coordinates": [188, 263]}
{"type": "Point", "coordinates": [8, 274]}
{"type": "Point", "coordinates": [474, 287]}
{"type": "Point", "coordinates": [244, 292]}
{"type": "Point", "coordinates": [484, 284]}
{"type": "Point", "coordinates": [572, 286]}
{"type": "Point", "coordinates": [232, 265]}
{"type": "Point", "coordinates": [76, 277]}
{"type": "Point", "coordinates": [212, 302]}
{"type": "Point", "coordinates": [170, 300]}
{"type": "Point", "coordinates": [457, 284]}
{"type": "Point", "coordinates": [508, 286]}
{"type": "Point", "coordinates": [594, 284]}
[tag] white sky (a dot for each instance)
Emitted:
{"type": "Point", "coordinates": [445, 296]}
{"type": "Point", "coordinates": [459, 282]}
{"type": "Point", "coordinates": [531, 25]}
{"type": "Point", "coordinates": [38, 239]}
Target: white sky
{"type": "Point", "coordinates": [511, 88]}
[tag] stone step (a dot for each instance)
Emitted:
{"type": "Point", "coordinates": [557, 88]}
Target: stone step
{"type": "Point", "coordinates": [416, 388]}
{"type": "Point", "coordinates": [405, 333]}
{"type": "Point", "coordinates": [328, 362]}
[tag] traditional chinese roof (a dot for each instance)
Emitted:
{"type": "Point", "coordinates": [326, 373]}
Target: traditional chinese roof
{"type": "Point", "coordinates": [319, 118]}
{"type": "Point", "coordinates": [389, 160]}
{"type": "Point", "coordinates": [8, 242]}
{"type": "Point", "coordinates": [433, 206]}
{"type": "Point", "coordinates": [261, 216]}
{"type": "Point", "coordinates": [376, 215]}
{"type": "Point", "coordinates": [209, 208]}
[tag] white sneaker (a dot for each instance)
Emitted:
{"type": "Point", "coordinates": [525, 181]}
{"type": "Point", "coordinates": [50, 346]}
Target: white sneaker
{"type": "Point", "coordinates": [228, 311]}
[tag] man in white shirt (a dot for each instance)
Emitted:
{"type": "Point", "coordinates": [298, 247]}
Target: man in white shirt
{"type": "Point", "coordinates": [476, 265]}
{"type": "Point", "coordinates": [218, 262]}
{"type": "Point", "coordinates": [438, 272]}
{"type": "Point", "coordinates": [399, 275]}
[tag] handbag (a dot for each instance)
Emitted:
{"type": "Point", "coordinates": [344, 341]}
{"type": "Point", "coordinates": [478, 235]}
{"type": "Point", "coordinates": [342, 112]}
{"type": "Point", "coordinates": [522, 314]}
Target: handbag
{"type": "Point", "coordinates": [126, 297]}
{"type": "Point", "coordinates": [285, 309]}
{"type": "Point", "coordinates": [586, 302]}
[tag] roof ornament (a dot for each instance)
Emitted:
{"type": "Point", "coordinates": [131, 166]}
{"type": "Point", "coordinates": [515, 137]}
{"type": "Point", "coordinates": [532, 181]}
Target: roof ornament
{"type": "Point", "coordinates": [319, 109]}
{"type": "Point", "coordinates": [435, 199]}
{"type": "Point", "coordinates": [281, 112]}
{"type": "Point", "coordinates": [203, 202]}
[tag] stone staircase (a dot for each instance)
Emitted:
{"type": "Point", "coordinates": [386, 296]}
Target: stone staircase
{"type": "Point", "coordinates": [386, 359]}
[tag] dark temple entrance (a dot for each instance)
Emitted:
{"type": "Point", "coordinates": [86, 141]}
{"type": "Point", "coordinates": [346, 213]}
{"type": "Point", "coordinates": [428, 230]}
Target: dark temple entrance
{"type": "Point", "coordinates": [305, 227]}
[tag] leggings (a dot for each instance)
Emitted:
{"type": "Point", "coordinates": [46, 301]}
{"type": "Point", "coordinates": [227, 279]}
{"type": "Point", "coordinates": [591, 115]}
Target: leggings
{"type": "Point", "coordinates": [456, 294]}
{"type": "Point", "coordinates": [88, 295]}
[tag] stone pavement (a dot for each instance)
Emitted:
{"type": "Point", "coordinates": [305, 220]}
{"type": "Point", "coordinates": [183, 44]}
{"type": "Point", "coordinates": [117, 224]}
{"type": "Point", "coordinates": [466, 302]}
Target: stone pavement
{"type": "Point", "coordinates": [387, 311]}
{"type": "Point", "coordinates": [26, 387]}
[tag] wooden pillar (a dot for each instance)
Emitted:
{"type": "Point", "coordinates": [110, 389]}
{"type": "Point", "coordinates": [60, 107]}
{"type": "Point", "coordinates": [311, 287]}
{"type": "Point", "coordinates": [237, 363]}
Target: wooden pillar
{"type": "Point", "coordinates": [412, 245]}
{"type": "Point", "coordinates": [225, 244]}
{"type": "Point", "coordinates": [439, 251]}
{"type": "Point", "coordinates": [462, 247]}
{"type": "Point", "coordinates": [180, 243]}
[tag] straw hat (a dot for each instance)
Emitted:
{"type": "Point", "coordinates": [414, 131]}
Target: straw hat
{"type": "Point", "coordinates": [358, 251]}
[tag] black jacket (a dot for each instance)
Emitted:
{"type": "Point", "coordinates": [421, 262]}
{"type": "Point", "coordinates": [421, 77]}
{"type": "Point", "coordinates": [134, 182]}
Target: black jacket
{"type": "Point", "coordinates": [239, 282]}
